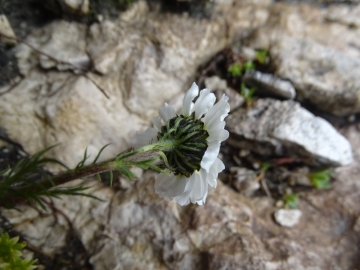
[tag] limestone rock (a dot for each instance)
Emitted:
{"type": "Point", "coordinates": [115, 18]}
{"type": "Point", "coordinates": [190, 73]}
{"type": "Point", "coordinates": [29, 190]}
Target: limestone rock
{"type": "Point", "coordinates": [77, 6]}
{"type": "Point", "coordinates": [269, 84]}
{"type": "Point", "coordinates": [244, 180]}
{"type": "Point", "coordinates": [287, 217]}
{"type": "Point", "coordinates": [134, 227]}
{"type": "Point", "coordinates": [318, 58]}
{"type": "Point", "coordinates": [220, 87]}
{"type": "Point", "coordinates": [284, 128]}
{"type": "Point", "coordinates": [155, 67]}
{"type": "Point", "coordinates": [9, 37]}
{"type": "Point", "coordinates": [64, 47]}
{"type": "Point", "coordinates": [347, 15]}
{"type": "Point", "coordinates": [140, 60]}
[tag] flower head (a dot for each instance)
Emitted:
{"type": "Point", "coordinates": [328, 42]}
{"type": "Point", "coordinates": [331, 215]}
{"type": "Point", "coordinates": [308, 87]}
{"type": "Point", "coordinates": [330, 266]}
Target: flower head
{"type": "Point", "coordinates": [191, 143]}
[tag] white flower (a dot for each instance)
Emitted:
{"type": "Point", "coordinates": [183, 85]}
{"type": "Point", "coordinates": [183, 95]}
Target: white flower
{"type": "Point", "coordinates": [194, 161]}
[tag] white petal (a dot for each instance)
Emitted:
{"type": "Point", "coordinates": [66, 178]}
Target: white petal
{"type": "Point", "coordinates": [195, 190]}
{"type": "Point", "coordinates": [205, 101]}
{"type": "Point", "coordinates": [156, 121]}
{"type": "Point", "coordinates": [217, 132]}
{"type": "Point", "coordinates": [168, 187]}
{"type": "Point", "coordinates": [199, 189]}
{"type": "Point", "coordinates": [188, 105]}
{"type": "Point", "coordinates": [210, 155]}
{"type": "Point", "coordinates": [217, 113]}
{"type": "Point", "coordinates": [144, 138]}
{"type": "Point", "coordinates": [167, 112]}
{"type": "Point", "coordinates": [215, 169]}
{"type": "Point", "coordinates": [184, 199]}
{"type": "Point", "coordinates": [203, 200]}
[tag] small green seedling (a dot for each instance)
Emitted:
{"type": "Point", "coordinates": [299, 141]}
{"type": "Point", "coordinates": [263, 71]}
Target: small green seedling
{"type": "Point", "coordinates": [265, 166]}
{"type": "Point", "coordinates": [291, 201]}
{"type": "Point", "coordinates": [247, 93]}
{"type": "Point", "coordinates": [320, 179]}
{"type": "Point", "coordinates": [249, 65]}
{"type": "Point", "coordinates": [235, 70]}
{"type": "Point", "coordinates": [261, 56]}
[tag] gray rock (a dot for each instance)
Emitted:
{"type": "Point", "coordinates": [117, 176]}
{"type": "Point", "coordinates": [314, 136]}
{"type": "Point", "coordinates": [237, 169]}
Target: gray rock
{"type": "Point", "coordinates": [140, 60]}
{"type": "Point", "coordinates": [215, 83]}
{"type": "Point", "coordinates": [244, 180]}
{"type": "Point", "coordinates": [273, 127]}
{"type": "Point", "coordinates": [320, 60]}
{"type": "Point", "coordinates": [132, 227]}
{"type": "Point", "coordinates": [7, 34]}
{"type": "Point", "coordinates": [300, 176]}
{"type": "Point", "coordinates": [73, 7]}
{"type": "Point", "coordinates": [269, 84]}
{"type": "Point", "coordinates": [77, 6]}
{"type": "Point", "coordinates": [60, 45]}
{"type": "Point", "coordinates": [344, 14]}
{"type": "Point", "coordinates": [64, 47]}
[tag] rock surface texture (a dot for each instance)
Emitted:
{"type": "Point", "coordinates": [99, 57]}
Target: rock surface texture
{"type": "Point", "coordinates": [87, 86]}
{"type": "Point", "coordinates": [284, 128]}
{"type": "Point", "coordinates": [145, 61]}
{"type": "Point", "coordinates": [318, 55]}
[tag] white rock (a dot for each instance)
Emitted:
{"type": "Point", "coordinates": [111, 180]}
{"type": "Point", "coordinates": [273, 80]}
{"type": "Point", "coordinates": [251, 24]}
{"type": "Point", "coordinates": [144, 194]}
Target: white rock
{"type": "Point", "coordinates": [77, 6]}
{"type": "Point", "coordinates": [270, 84]}
{"type": "Point", "coordinates": [320, 59]}
{"type": "Point", "coordinates": [287, 217]}
{"type": "Point", "coordinates": [272, 127]}
{"type": "Point", "coordinates": [65, 43]}
{"type": "Point", "coordinates": [6, 29]}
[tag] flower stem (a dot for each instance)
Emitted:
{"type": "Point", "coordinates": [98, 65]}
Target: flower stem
{"type": "Point", "coordinates": [144, 158]}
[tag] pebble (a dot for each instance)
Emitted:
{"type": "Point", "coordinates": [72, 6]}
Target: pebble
{"type": "Point", "coordinates": [287, 217]}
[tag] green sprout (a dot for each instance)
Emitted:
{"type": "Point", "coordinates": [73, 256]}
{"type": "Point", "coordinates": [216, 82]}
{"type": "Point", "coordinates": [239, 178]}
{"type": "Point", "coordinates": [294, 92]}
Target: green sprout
{"type": "Point", "coordinates": [261, 56]}
{"type": "Point", "coordinates": [291, 200]}
{"type": "Point", "coordinates": [320, 179]}
{"type": "Point", "coordinates": [11, 256]}
{"type": "Point", "coordinates": [235, 69]}
{"type": "Point", "coordinates": [249, 65]}
{"type": "Point", "coordinates": [247, 93]}
{"type": "Point", "coordinates": [265, 166]}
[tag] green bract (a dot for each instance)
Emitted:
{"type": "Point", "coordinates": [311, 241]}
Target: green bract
{"type": "Point", "coordinates": [189, 143]}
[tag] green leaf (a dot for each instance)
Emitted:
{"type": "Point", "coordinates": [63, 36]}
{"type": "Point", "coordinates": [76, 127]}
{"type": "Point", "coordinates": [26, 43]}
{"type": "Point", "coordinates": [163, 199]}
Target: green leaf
{"type": "Point", "coordinates": [249, 65]}
{"type": "Point", "coordinates": [82, 162]}
{"type": "Point", "coordinates": [235, 69]}
{"type": "Point", "coordinates": [261, 56]}
{"type": "Point", "coordinates": [320, 179]}
{"type": "Point", "coordinates": [246, 92]}
{"type": "Point", "coordinates": [4, 171]}
{"type": "Point", "coordinates": [98, 155]}
{"type": "Point", "coordinates": [11, 255]}
{"type": "Point", "coordinates": [291, 200]}
{"type": "Point", "coordinates": [265, 166]}
{"type": "Point", "coordinates": [125, 171]}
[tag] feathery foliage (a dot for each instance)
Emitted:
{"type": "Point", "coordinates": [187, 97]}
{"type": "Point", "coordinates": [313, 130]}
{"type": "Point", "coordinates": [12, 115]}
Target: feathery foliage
{"type": "Point", "coordinates": [27, 180]}
{"type": "Point", "coordinates": [11, 255]}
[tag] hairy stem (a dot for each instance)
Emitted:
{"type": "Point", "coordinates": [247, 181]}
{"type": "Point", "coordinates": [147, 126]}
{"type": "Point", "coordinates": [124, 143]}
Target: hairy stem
{"type": "Point", "coordinates": [124, 160]}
